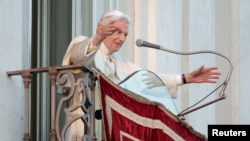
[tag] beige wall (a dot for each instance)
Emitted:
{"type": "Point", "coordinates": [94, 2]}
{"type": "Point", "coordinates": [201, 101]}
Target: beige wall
{"type": "Point", "coordinates": [15, 17]}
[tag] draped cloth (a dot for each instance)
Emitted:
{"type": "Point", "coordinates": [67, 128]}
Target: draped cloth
{"type": "Point", "coordinates": [130, 117]}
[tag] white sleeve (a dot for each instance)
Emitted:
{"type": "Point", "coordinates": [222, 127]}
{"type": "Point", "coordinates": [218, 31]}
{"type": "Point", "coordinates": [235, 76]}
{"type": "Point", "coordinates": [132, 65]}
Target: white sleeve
{"type": "Point", "coordinates": [171, 81]}
{"type": "Point", "coordinates": [83, 52]}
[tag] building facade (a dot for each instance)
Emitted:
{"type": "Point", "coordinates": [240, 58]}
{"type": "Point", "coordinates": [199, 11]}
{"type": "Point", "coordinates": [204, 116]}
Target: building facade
{"type": "Point", "coordinates": [36, 33]}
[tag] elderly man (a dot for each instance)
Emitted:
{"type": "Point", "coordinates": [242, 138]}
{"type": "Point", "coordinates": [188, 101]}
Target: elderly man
{"type": "Point", "coordinates": [102, 51]}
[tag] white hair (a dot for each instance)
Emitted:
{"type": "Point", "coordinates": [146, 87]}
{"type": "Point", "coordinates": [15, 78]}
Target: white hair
{"type": "Point", "coordinates": [113, 15]}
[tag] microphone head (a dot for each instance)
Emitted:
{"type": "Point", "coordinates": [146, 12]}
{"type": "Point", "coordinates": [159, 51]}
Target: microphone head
{"type": "Point", "coordinates": [139, 42]}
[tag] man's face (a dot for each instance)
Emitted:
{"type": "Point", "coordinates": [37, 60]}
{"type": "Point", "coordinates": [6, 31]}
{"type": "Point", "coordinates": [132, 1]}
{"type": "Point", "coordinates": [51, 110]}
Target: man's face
{"type": "Point", "coordinates": [114, 41]}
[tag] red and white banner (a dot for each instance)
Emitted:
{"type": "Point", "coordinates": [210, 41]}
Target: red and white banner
{"type": "Point", "coordinates": [128, 117]}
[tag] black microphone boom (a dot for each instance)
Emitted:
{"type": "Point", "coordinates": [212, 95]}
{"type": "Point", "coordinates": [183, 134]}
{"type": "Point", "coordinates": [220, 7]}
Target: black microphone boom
{"type": "Point", "coordinates": [140, 43]}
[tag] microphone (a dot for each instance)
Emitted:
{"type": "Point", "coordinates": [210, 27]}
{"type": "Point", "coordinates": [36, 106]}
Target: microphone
{"type": "Point", "coordinates": [140, 43]}
{"type": "Point", "coordinates": [222, 95]}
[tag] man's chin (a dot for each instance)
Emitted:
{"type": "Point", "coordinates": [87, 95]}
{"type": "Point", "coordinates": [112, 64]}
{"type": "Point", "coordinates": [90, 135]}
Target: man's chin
{"type": "Point", "coordinates": [118, 48]}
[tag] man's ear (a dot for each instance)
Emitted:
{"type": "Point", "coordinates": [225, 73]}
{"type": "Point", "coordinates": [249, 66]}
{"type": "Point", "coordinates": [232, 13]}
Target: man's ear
{"type": "Point", "coordinates": [100, 28]}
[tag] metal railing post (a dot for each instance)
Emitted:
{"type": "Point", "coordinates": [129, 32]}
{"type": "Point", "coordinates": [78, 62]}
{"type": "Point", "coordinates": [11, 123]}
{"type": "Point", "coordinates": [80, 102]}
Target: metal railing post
{"type": "Point", "coordinates": [26, 81]}
{"type": "Point", "coordinates": [52, 73]}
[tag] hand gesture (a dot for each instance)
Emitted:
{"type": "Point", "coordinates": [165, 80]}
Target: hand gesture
{"type": "Point", "coordinates": [203, 75]}
{"type": "Point", "coordinates": [103, 31]}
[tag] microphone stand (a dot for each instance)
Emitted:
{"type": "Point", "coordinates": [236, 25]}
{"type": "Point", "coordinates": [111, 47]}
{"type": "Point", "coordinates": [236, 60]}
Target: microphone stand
{"type": "Point", "coordinates": [224, 84]}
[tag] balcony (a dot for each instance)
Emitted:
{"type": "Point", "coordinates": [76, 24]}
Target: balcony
{"type": "Point", "coordinates": [78, 95]}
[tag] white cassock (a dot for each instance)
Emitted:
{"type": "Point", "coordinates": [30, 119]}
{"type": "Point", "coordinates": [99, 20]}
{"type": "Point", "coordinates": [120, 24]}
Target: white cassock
{"type": "Point", "coordinates": [81, 52]}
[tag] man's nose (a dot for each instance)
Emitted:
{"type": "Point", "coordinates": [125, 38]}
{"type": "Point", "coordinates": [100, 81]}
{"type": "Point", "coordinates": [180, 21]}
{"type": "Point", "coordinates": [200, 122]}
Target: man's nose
{"type": "Point", "coordinates": [122, 38]}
